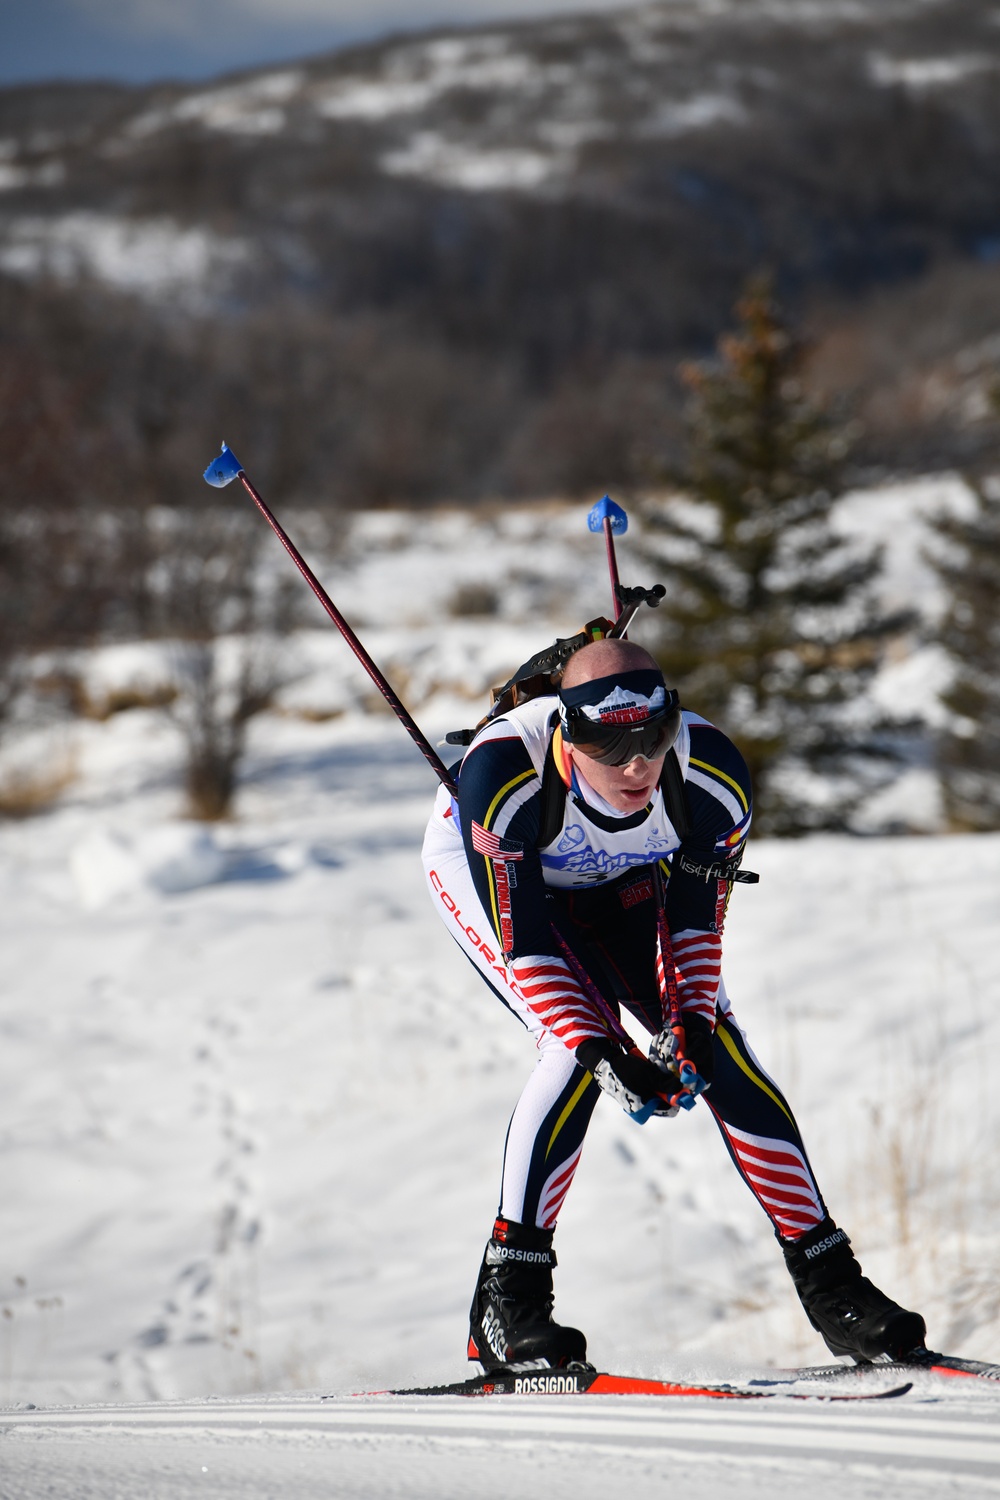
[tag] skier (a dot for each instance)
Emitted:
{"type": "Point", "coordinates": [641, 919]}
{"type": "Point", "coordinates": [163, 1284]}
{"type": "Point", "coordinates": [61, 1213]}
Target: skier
{"type": "Point", "coordinates": [573, 808]}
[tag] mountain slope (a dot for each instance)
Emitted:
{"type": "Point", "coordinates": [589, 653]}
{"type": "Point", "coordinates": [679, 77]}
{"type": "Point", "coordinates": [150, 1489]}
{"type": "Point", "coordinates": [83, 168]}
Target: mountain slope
{"type": "Point", "coordinates": [469, 262]}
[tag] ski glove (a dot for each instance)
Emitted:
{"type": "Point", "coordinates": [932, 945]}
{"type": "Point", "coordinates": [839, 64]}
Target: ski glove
{"type": "Point", "coordinates": [634, 1082]}
{"type": "Point", "coordinates": [697, 1053]}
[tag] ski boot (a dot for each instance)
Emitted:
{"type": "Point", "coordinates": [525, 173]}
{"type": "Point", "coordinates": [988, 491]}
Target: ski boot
{"type": "Point", "coordinates": [510, 1321]}
{"type": "Point", "coordinates": [851, 1314]}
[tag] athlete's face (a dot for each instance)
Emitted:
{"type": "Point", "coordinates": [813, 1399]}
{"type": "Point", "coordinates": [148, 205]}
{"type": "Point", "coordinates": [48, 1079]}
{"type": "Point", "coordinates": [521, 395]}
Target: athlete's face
{"type": "Point", "coordinates": [626, 788]}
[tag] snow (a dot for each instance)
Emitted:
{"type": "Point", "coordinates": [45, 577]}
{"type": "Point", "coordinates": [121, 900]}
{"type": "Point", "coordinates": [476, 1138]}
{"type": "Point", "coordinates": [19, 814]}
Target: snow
{"type": "Point", "coordinates": [929, 72]}
{"type": "Point", "coordinates": [895, 517]}
{"type": "Point", "coordinates": [171, 858]}
{"type": "Point", "coordinates": [254, 1104]}
{"type": "Point", "coordinates": [367, 1450]}
{"type": "Point", "coordinates": [573, 117]}
{"type": "Point", "coordinates": [12, 176]}
{"type": "Point", "coordinates": [153, 258]}
{"type": "Point", "coordinates": [429, 155]}
{"type": "Point", "coordinates": [413, 76]}
{"type": "Point", "coordinates": [249, 108]}
{"type": "Point", "coordinates": [677, 117]}
{"type": "Point", "coordinates": [540, 113]}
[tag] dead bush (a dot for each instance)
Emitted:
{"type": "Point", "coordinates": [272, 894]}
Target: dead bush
{"type": "Point", "coordinates": [27, 793]}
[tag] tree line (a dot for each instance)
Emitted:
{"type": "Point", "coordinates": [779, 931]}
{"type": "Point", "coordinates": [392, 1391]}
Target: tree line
{"type": "Point", "coordinates": [771, 626]}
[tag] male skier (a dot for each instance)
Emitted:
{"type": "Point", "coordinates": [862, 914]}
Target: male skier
{"type": "Point", "coordinates": [575, 811]}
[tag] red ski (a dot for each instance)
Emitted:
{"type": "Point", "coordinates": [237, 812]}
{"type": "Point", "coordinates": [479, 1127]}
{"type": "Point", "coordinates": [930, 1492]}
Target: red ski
{"type": "Point", "coordinates": [587, 1382]}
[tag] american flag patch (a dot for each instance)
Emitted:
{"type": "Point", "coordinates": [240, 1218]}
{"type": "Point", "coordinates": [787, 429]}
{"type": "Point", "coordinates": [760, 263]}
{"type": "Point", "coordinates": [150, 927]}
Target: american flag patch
{"type": "Point", "coordinates": [494, 847]}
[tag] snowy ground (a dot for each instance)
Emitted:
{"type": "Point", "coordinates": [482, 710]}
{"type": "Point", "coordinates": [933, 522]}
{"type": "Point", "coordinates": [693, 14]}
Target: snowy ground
{"type": "Point", "coordinates": [311, 1449]}
{"type": "Point", "coordinates": [254, 1104]}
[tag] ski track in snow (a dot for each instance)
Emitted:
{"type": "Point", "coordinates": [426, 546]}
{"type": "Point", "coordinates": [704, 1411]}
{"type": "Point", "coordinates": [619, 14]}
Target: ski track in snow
{"type": "Point", "coordinates": [450, 1447]}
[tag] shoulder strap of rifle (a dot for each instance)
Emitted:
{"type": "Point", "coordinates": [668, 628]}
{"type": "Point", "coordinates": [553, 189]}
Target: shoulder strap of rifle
{"type": "Point", "coordinates": [553, 800]}
{"type": "Point", "coordinates": [675, 794]}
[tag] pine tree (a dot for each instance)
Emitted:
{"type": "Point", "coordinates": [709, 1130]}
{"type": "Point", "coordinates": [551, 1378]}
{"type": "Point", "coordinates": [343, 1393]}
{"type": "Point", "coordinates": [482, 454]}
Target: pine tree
{"type": "Point", "coordinates": [968, 749]}
{"type": "Point", "coordinates": [771, 628]}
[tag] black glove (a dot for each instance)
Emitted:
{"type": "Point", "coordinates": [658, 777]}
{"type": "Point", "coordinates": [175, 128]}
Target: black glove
{"type": "Point", "coordinates": [698, 1048]}
{"type": "Point", "coordinates": [631, 1079]}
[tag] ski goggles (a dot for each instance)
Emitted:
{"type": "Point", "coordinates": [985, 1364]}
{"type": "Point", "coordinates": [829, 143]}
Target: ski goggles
{"type": "Point", "coordinates": [615, 720]}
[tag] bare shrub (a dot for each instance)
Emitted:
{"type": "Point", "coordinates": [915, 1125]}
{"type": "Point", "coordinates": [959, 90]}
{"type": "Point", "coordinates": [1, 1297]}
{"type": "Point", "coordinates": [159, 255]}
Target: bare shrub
{"type": "Point", "coordinates": [474, 600]}
{"type": "Point", "coordinates": [227, 618]}
{"type": "Point", "coordinates": [26, 793]}
{"type": "Point", "coordinates": [64, 690]}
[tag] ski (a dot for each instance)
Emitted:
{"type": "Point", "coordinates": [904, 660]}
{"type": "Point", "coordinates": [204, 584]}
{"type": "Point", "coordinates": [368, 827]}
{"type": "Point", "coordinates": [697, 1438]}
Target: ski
{"type": "Point", "coordinates": [920, 1362]}
{"type": "Point", "coordinates": [584, 1382]}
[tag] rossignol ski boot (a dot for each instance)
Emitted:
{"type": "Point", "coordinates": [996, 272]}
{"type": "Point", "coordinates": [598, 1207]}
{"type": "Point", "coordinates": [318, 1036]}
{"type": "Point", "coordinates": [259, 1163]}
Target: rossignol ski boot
{"type": "Point", "coordinates": [851, 1314]}
{"type": "Point", "coordinates": [510, 1321]}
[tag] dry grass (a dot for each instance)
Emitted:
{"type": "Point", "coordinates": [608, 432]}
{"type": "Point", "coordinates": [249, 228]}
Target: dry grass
{"type": "Point", "coordinates": [474, 601]}
{"type": "Point", "coordinates": [122, 700]}
{"type": "Point", "coordinates": [27, 793]}
{"type": "Point", "coordinates": [67, 688]}
{"type": "Point", "coordinates": [309, 714]}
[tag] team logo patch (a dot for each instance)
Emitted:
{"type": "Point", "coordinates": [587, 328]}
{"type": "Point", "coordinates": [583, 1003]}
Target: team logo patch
{"type": "Point", "coordinates": [494, 847]}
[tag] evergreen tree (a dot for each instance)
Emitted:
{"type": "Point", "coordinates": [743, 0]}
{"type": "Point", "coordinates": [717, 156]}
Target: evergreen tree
{"type": "Point", "coordinates": [770, 625]}
{"type": "Point", "coordinates": [968, 750]}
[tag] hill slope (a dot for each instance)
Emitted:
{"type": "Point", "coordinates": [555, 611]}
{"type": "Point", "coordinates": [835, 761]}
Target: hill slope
{"type": "Point", "coordinates": [468, 263]}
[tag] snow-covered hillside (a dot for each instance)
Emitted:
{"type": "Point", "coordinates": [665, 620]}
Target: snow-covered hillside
{"type": "Point", "coordinates": [254, 1099]}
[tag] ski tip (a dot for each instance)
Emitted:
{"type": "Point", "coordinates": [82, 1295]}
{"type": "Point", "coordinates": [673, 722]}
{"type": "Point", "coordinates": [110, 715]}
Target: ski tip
{"type": "Point", "coordinates": [224, 469]}
{"type": "Point", "coordinates": [606, 509]}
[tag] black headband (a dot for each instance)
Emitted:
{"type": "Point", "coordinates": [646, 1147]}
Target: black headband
{"type": "Point", "coordinates": [624, 698]}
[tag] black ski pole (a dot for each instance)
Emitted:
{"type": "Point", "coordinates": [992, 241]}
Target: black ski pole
{"type": "Point", "coordinates": [227, 467]}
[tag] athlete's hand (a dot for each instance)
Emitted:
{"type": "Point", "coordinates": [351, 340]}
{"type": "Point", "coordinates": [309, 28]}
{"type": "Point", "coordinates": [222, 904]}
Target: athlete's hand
{"type": "Point", "coordinates": [632, 1080]}
{"type": "Point", "coordinates": [698, 1052]}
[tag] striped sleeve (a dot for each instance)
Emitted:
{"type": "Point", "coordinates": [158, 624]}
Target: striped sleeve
{"type": "Point", "coordinates": [717, 784]}
{"type": "Point", "coordinates": [698, 962]}
{"type": "Point", "coordinates": [548, 986]}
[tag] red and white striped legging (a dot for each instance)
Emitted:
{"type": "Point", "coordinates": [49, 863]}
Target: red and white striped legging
{"type": "Point", "coordinates": [547, 1129]}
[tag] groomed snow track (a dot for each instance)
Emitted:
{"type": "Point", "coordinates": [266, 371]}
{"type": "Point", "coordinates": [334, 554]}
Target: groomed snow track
{"type": "Point", "coordinates": [929, 1442]}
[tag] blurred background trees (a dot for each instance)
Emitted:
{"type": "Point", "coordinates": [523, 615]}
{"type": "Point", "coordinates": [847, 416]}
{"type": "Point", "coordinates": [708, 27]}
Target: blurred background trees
{"type": "Point", "coordinates": [770, 624]}
{"type": "Point", "coordinates": [373, 326]}
{"type": "Point", "coordinates": [227, 618]}
{"type": "Point", "coordinates": [968, 746]}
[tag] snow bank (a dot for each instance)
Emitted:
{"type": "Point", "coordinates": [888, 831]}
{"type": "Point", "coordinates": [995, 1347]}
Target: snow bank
{"type": "Point", "coordinates": [169, 859]}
